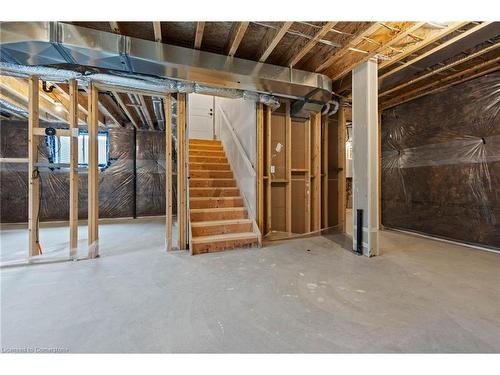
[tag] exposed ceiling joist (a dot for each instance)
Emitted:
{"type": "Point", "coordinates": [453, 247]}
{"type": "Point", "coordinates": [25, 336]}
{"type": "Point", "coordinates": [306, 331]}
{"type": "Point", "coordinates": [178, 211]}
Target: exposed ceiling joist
{"type": "Point", "coordinates": [200, 28]}
{"type": "Point", "coordinates": [147, 107]}
{"type": "Point", "coordinates": [475, 71]}
{"type": "Point", "coordinates": [423, 43]}
{"type": "Point", "coordinates": [114, 111]}
{"type": "Point", "coordinates": [114, 27]}
{"type": "Point", "coordinates": [358, 38]}
{"type": "Point", "coordinates": [435, 49]}
{"type": "Point", "coordinates": [293, 60]}
{"type": "Point", "coordinates": [441, 69]}
{"type": "Point", "coordinates": [271, 40]}
{"type": "Point", "coordinates": [123, 100]}
{"type": "Point", "coordinates": [396, 38]}
{"type": "Point", "coordinates": [237, 34]}
{"type": "Point", "coordinates": [157, 31]}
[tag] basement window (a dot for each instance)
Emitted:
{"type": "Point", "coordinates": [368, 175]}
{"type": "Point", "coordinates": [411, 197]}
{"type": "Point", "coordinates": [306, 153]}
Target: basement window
{"type": "Point", "coordinates": [59, 148]}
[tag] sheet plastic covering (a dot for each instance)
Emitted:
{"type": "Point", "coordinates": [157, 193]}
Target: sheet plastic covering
{"type": "Point", "coordinates": [441, 163]}
{"type": "Point", "coordinates": [116, 182]}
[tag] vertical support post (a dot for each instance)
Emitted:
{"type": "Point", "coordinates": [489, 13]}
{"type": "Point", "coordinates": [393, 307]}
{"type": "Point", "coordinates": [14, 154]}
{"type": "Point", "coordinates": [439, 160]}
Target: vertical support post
{"type": "Point", "coordinates": [73, 169]}
{"type": "Point", "coordinates": [181, 171]}
{"type": "Point", "coordinates": [260, 166]}
{"type": "Point", "coordinates": [288, 167]}
{"type": "Point", "coordinates": [341, 123]}
{"type": "Point", "coordinates": [93, 174]}
{"type": "Point", "coordinates": [167, 102]}
{"type": "Point", "coordinates": [380, 170]}
{"type": "Point", "coordinates": [33, 177]}
{"type": "Point", "coordinates": [268, 170]}
{"type": "Point", "coordinates": [324, 186]}
{"type": "Point", "coordinates": [307, 206]}
{"type": "Point", "coordinates": [316, 172]}
{"type": "Point", "coordinates": [366, 154]}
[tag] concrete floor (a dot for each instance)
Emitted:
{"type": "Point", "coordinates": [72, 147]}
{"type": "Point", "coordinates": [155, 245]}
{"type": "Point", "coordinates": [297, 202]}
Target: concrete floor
{"type": "Point", "coordinates": [304, 295]}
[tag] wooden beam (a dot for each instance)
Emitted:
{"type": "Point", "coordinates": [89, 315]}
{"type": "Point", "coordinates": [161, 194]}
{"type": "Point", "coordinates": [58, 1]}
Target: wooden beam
{"type": "Point", "coordinates": [316, 172]}
{"type": "Point", "coordinates": [477, 71]}
{"type": "Point", "coordinates": [352, 43]}
{"type": "Point", "coordinates": [200, 28]}
{"type": "Point", "coordinates": [157, 31]}
{"type": "Point", "coordinates": [181, 172]}
{"type": "Point", "coordinates": [147, 105]}
{"type": "Point", "coordinates": [73, 170]}
{"type": "Point", "coordinates": [424, 43]}
{"type": "Point", "coordinates": [288, 167]}
{"type": "Point", "coordinates": [33, 174]}
{"type": "Point", "coordinates": [93, 175]}
{"type": "Point", "coordinates": [260, 166]}
{"type": "Point", "coordinates": [394, 39]}
{"type": "Point", "coordinates": [123, 100]}
{"type": "Point", "coordinates": [324, 167]}
{"type": "Point", "coordinates": [237, 34]}
{"type": "Point", "coordinates": [293, 60]}
{"type": "Point", "coordinates": [167, 108]}
{"type": "Point", "coordinates": [440, 69]}
{"type": "Point", "coordinates": [435, 49]}
{"type": "Point", "coordinates": [307, 210]}
{"type": "Point", "coordinates": [106, 107]}
{"type": "Point", "coordinates": [114, 27]}
{"type": "Point", "coordinates": [342, 169]}
{"type": "Point", "coordinates": [268, 204]}
{"type": "Point", "coordinates": [271, 40]}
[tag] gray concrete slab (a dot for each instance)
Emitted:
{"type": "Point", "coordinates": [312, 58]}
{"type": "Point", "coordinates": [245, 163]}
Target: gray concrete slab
{"type": "Point", "coordinates": [304, 295]}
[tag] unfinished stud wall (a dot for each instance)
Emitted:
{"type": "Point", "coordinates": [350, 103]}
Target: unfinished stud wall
{"type": "Point", "coordinates": [116, 183]}
{"type": "Point", "coordinates": [441, 163]}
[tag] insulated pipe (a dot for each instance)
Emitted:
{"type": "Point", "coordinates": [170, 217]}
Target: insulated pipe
{"type": "Point", "coordinates": [12, 108]}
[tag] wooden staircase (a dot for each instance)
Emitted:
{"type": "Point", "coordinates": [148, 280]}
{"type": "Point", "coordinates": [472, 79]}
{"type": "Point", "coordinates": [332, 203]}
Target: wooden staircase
{"type": "Point", "coordinates": [218, 217]}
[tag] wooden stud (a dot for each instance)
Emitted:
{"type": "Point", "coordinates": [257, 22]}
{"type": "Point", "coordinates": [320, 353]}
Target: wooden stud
{"type": "Point", "coordinates": [288, 167]}
{"type": "Point", "coordinates": [271, 40]}
{"type": "Point", "coordinates": [200, 28]}
{"type": "Point", "coordinates": [293, 60]}
{"type": "Point", "coordinates": [93, 175]}
{"type": "Point", "coordinates": [237, 34]}
{"type": "Point", "coordinates": [157, 31]}
{"type": "Point", "coordinates": [33, 178]}
{"type": "Point", "coordinates": [73, 169]}
{"type": "Point", "coordinates": [260, 166]}
{"type": "Point", "coordinates": [324, 185]}
{"type": "Point", "coordinates": [342, 170]}
{"type": "Point", "coordinates": [316, 172]}
{"type": "Point", "coordinates": [308, 194]}
{"type": "Point", "coordinates": [268, 170]}
{"type": "Point", "coordinates": [435, 49]}
{"type": "Point", "coordinates": [167, 102]}
{"type": "Point", "coordinates": [181, 172]}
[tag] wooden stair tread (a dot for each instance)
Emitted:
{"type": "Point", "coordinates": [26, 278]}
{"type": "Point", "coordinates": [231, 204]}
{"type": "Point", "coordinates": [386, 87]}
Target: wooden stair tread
{"type": "Point", "coordinates": [220, 222]}
{"type": "Point", "coordinates": [213, 188]}
{"type": "Point", "coordinates": [218, 209]}
{"type": "Point", "coordinates": [225, 237]}
{"type": "Point", "coordinates": [208, 198]}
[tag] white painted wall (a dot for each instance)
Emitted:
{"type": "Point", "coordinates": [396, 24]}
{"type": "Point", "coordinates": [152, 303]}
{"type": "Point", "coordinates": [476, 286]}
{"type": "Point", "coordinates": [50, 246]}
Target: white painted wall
{"type": "Point", "coordinates": [240, 116]}
{"type": "Point", "coordinates": [201, 117]}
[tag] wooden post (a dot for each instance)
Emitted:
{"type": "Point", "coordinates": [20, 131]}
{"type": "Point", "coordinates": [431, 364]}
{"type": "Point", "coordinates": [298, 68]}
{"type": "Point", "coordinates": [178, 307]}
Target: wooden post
{"type": "Point", "coordinates": [260, 166]}
{"type": "Point", "coordinates": [73, 169]}
{"type": "Point", "coordinates": [181, 171]}
{"type": "Point", "coordinates": [324, 186]}
{"type": "Point", "coordinates": [93, 174]}
{"type": "Point", "coordinates": [33, 177]}
{"type": "Point", "coordinates": [308, 177]}
{"type": "Point", "coordinates": [288, 167]}
{"type": "Point", "coordinates": [342, 169]}
{"type": "Point", "coordinates": [316, 172]}
{"type": "Point", "coordinates": [167, 101]}
{"type": "Point", "coordinates": [268, 170]}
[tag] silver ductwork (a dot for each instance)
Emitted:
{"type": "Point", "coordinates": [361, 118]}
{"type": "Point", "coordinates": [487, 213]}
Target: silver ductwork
{"type": "Point", "coordinates": [13, 109]}
{"type": "Point", "coordinates": [55, 44]}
